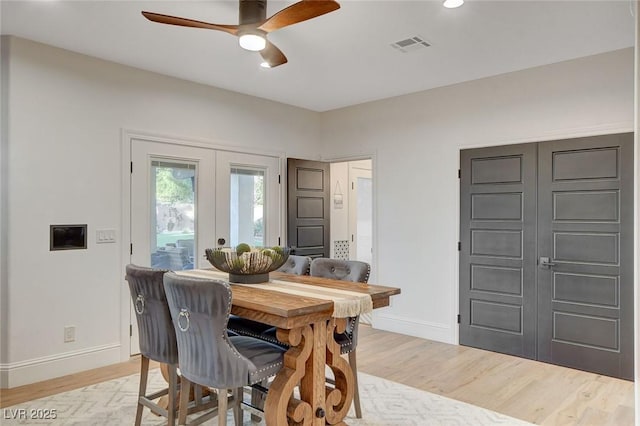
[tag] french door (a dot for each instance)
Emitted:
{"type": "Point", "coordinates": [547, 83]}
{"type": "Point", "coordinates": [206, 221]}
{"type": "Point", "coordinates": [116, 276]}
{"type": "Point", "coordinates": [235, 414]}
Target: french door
{"type": "Point", "coordinates": [546, 252]}
{"type": "Point", "coordinates": [185, 199]}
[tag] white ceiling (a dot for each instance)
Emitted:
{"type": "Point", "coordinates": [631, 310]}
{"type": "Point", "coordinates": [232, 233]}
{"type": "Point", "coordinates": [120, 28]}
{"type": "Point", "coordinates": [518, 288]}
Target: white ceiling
{"type": "Point", "coordinates": [339, 59]}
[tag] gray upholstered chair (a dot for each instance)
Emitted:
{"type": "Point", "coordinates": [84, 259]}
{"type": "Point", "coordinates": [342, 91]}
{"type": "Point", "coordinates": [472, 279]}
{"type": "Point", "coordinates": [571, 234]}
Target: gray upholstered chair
{"type": "Point", "coordinates": [345, 270]}
{"type": "Point", "coordinates": [208, 356]}
{"type": "Point", "coordinates": [156, 335]}
{"type": "Point", "coordinates": [298, 265]}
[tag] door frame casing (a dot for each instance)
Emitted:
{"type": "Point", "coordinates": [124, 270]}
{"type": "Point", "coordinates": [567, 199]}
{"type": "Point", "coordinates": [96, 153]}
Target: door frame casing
{"type": "Point", "coordinates": [126, 138]}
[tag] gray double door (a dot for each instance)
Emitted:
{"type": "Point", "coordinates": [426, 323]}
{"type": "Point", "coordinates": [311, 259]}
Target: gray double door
{"type": "Point", "coordinates": [546, 253]}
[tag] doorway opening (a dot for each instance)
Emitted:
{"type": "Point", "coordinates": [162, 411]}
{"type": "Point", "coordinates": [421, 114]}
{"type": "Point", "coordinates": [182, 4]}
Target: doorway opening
{"type": "Point", "coordinates": [351, 212]}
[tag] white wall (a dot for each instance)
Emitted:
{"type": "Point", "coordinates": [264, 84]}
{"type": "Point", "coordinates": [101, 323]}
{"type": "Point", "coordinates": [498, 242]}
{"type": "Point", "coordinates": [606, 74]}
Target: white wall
{"type": "Point", "coordinates": [416, 139]}
{"type": "Point", "coordinates": [67, 112]}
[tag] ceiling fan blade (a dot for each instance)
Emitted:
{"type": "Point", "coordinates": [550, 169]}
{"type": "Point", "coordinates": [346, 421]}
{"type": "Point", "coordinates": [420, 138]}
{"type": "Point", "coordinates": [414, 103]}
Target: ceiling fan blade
{"type": "Point", "coordinates": [184, 22]}
{"type": "Point", "coordinates": [298, 12]}
{"type": "Point", "coordinates": [272, 55]}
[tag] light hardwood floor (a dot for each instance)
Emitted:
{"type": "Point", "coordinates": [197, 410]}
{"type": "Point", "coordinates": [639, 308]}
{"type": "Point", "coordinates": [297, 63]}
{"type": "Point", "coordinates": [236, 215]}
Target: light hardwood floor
{"type": "Point", "coordinates": [529, 390]}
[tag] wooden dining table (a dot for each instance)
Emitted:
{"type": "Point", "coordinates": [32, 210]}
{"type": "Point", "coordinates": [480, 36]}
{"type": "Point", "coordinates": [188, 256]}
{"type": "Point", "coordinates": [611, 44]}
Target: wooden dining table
{"type": "Point", "coordinates": [307, 325]}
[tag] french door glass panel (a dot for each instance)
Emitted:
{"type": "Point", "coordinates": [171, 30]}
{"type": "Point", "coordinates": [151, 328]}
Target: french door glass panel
{"type": "Point", "coordinates": [173, 206]}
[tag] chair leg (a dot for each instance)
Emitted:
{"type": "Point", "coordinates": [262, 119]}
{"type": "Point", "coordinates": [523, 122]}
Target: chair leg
{"type": "Point", "coordinates": [144, 374]}
{"type": "Point", "coordinates": [185, 389]}
{"type": "Point", "coordinates": [257, 400]}
{"type": "Point", "coordinates": [173, 392]}
{"type": "Point", "coordinates": [222, 407]}
{"type": "Point", "coordinates": [197, 394]}
{"type": "Point", "coordinates": [237, 407]}
{"type": "Point", "coordinates": [356, 393]}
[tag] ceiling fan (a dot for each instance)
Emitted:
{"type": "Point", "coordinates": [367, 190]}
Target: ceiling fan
{"type": "Point", "coordinates": [253, 25]}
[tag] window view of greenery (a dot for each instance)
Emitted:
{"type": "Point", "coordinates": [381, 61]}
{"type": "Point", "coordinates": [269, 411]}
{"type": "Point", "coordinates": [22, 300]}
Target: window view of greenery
{"type": "Point", "coordinates": [247, 207]}
{"type": "Point", "coordinates": [174, 216]}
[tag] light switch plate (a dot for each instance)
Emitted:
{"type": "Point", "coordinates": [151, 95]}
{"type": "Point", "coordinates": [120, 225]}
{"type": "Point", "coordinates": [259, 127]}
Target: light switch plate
{"type": "Point", "coordinates": [105, 236]}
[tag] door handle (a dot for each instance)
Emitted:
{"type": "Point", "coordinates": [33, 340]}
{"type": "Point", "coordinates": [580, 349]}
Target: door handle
{"type": "Point", "coordinates": [545, 262]}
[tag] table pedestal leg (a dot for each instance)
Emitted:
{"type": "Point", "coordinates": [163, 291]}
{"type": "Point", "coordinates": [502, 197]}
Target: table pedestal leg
{"type": "Point", "coordinates": [340, 397]}
{"type": "Point", "coordinates": [281, 408]}
{"type": "Point", "coordinates": [312, 348]}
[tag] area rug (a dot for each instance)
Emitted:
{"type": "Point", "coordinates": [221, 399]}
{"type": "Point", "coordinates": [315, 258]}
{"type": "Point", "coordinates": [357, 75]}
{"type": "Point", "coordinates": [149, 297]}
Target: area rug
{"type": "Point", "coordinates": [383, 403]}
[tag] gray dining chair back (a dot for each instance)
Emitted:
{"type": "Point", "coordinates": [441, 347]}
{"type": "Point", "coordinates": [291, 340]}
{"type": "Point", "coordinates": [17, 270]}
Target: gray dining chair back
{"type": "Point", "coordinates": [157, 337]}
{"type": "Point", "coordinates": [345, 270]}
{"type": "Point", "coordinates": [298, 265]}
{"type": "Point", "coordinates": [208, 356]}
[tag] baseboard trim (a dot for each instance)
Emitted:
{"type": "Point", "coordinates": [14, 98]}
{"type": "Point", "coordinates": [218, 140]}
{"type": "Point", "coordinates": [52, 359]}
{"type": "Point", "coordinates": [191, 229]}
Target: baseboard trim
{"type": "Point", "coordinates": [49, 367]}
{"type": "Point", "coordinates": [416, 328]}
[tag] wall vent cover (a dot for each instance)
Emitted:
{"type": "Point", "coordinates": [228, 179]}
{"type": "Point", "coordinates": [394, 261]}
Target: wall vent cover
{"type": "Point", "coordinates": [411, 44]}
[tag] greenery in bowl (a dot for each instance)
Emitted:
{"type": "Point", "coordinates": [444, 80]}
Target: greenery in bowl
{"type": "Point", "coordinates": [246, 264]}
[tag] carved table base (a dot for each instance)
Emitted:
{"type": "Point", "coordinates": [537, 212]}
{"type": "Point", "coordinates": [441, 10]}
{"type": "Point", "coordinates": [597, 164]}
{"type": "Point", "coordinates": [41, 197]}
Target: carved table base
{"type": "Point", "coordinates": [312, 347]}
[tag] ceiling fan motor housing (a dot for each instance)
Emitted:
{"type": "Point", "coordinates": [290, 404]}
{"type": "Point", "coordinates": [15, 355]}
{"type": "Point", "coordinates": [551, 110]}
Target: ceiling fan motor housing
{"type": "Point", "coordinates": [252, 11]}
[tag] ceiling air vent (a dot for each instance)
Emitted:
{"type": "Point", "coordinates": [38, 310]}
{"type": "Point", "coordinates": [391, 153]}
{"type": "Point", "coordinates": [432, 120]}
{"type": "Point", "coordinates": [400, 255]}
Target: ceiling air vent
{"type": "Point", "coordinates": [410, 44]}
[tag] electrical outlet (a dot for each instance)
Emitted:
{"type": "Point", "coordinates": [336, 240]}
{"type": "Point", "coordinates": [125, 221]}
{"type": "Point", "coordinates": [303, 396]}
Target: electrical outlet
{"type": "Point", "coordinates": [70, 333]}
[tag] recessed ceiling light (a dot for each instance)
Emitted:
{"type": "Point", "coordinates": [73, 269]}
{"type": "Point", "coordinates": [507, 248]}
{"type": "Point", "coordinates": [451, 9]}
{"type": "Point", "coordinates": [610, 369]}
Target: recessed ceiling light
{"type": "Point", "coordinates": [265, 64]}
{"type": "Point", "coordinates": [452, 4]}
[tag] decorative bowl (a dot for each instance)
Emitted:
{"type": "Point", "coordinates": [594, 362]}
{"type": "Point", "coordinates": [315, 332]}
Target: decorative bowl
{"type": "Point", "coordinates": [247, 265]}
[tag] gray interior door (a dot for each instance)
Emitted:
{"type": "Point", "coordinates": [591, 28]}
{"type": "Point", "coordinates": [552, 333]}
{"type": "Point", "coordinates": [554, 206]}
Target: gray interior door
{"type": "Point", "coordinates": [497, 250]}
{"type": "Point", "coordinates": [585, 229]}
{"type": "Point", "coordinates": [308, 191]}
{"type": "Point", "coordinates": [546, 259]}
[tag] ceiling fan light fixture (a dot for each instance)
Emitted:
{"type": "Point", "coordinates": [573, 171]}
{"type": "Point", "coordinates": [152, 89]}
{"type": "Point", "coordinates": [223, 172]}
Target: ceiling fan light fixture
{"type": "Point", "coordinates": [253, 42]}
{"type": "Point", "coordinates": [265, 64]}
{"type": "Point", "coordinates": [452, 4]}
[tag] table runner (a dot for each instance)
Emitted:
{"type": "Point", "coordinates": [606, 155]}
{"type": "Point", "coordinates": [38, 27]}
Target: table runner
{"type": "Point", "coordinates": [345, 303]}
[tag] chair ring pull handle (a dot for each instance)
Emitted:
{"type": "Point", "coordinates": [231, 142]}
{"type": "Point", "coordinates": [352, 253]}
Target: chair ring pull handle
{"type": "Point", "coordinates": [139, 305]}
{"type": "Point", "coordinates": [183, 314]}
